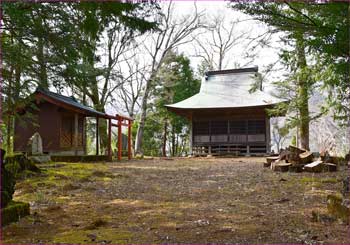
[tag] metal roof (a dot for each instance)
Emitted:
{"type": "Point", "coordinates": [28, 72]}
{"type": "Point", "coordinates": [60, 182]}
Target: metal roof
{"type": "Point", "coordinates": [227, 89]}
{"type": "Point", "coordinates": [230, 71]}
{"type": "Point", "coordinates": [71, 101]}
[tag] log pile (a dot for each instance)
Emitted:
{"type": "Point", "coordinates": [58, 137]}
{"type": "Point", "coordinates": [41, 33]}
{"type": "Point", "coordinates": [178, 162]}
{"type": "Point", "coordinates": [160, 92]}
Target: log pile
{"type": "Point", "coordinates": [295, 159]}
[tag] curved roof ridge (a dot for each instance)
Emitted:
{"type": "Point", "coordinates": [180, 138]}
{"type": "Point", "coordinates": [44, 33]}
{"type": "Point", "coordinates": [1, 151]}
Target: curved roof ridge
{"type": "Point", "coordinates": [228, 92]}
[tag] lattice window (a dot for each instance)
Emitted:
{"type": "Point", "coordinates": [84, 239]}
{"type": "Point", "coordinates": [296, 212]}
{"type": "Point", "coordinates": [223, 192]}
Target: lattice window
{"type": "Point", "coordinates": [66, 136]}
{"type": "Point", "coordinates": [218, 127]}
{"type": "Point", "coordinates": [256, 127]}
{"type": "Point", "coordinates": [238, 127]}
{"type": "Point", "coordinates": [200, 128]}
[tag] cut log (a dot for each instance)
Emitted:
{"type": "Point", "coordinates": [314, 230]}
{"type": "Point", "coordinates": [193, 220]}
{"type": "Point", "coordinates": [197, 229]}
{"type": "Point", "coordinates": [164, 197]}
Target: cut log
{"type": "Point", "coordinates": [314, 167]}
{"type": "Point", "coordinates": [306, 157]}
{"type": "Point", "coordinates": [323, 155]}
{"type": "Point", "coordinates": [267, 165]}
{"type": "Point", "coordinates": [284, 154]}
{"type": "Point", "coordinates": [272, 159]}
{"type": "Point", "coordinates": [296, 168]}
{"type": "Point", "coordinates": [319, 166]}
{"type": "Point", "coordinates": [293, 158]}
{"type": "Point", "coordinates": [293, 154]}
{"type": "Point", "coordinates": [336, 160]}
{"type": "Point", "coordinates": [296, 150]}
{"type": "Point", "coordinates": [330, 167]}
{"type": "Point", "coordinates": [273, 164]}
{"type": "Point", "coordinates": [282, 167]}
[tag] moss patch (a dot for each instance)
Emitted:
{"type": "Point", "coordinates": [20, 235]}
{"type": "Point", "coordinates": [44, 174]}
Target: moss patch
{"type": "Point", "coordinates": [97, 236]}
{"type": "Point", "coordinates": [89, 158]}
{"type": "Point", "coordinates": [319, 180]}
{"type": "Point", "coordinates": [197, 200]}
{"type": "Point", "coordinates": [13, 212]}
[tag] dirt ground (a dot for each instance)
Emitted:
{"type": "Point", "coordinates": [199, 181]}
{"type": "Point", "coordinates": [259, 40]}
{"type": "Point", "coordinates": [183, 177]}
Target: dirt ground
{"type": "Point", "coordinates": [182, 200]}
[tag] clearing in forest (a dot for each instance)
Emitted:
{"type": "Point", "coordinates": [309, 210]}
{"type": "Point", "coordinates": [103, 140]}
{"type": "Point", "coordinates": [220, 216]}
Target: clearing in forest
{"type": "Point", "coordinates": [184, 200]}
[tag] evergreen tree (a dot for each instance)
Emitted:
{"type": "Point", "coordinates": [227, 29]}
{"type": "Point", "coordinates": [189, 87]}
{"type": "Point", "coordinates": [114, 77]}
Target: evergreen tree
{"type": "Point", "coordinates": [165, 131]}
{"type": "Point", "coordinates": [56, 45]}
{"type": "Point", "coordinates": [320, 29]}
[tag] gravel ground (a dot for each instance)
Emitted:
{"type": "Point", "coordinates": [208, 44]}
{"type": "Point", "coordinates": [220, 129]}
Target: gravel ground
{"type": "Point", "coordinates": [179, 200]}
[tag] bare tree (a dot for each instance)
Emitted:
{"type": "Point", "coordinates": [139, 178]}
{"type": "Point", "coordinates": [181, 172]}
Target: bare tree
{"type": "Point", "coordinates": [279, 133]}
{"type": "Point", "coordinates": [130, 90]}
{"type": "Point", "coordinates": [172, 33]}
{"type": "Point", "coordinates": [214, 47]}
{"type": "Point", "coordinates": [103, 67]}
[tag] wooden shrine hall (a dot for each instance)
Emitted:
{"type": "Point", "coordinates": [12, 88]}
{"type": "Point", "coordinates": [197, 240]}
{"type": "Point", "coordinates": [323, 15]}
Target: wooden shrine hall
{"type": "Point", "coordinates": [60, 120]}
{"type": "Point", "coordinates": [225, 118]}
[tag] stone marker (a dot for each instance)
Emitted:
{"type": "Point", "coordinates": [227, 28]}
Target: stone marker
{"type": "Point", "coordinates": [36, 149]}
{"type": "Point", "coordinates": [37, 144]}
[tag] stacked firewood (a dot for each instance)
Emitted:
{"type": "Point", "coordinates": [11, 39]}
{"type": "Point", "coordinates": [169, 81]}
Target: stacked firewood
{"type": "Point", "coordinates": [295, 159]}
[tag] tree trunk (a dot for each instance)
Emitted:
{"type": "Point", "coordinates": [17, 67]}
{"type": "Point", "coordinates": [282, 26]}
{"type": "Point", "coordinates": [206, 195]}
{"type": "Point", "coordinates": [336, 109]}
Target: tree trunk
{"type": "Point", "coordinates": [141, 127]}
{"type": "Point", "coordinates": [103, 136]}
{"type": "Point", "coordinates": [9, 116]}
{"type": "Point", "coordinates": [8, 135]}
{"type": "Point", "coordinates": [165, 137]}
{"type": "Point", "coordinates": [348, 78]}
{"type": "Point", "coordinates": [85, 127]}
{"type": "Point", "coordinates": [220, 60]}
{"type": "Point", "coordinates": [173, 142]}
{"type": "Point", "coordinates": [102, 126]}
{"type": "Point", "coordinates": [42, 76]}
{"type": "Point", "coordinates": [177, 145]}
{"type": "Point", "coordinates": [303, 94]}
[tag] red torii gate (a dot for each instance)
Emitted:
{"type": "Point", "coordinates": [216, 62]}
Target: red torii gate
{"type": "Point", "coordinates": [121, 121]}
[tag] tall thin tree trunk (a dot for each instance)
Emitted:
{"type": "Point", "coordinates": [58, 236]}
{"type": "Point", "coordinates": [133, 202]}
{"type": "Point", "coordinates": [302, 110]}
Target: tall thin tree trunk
{"type": "Point", "coordinates": [348, 78]}
{"type": "Point", "coordinates": [9, 116]}
{"type": "Point", "coordinates": [42, 64]}
{"type": "Point", "coordinates": [177, 145]}
{"type": "Point", "coordinates": [173, 146]}
{"type": "Point", "coordinates": [9, 134]}
{"type": "Point", "coordinates": [303, 94]}
{"type": "Point", "coordinates": [165, 137]}
{"type": "Point", "coordinates": [85, 127]}
{"type": "Point", "coordinates": [141, 127]}
{"type": "Point", "coordinates": [220, 59]}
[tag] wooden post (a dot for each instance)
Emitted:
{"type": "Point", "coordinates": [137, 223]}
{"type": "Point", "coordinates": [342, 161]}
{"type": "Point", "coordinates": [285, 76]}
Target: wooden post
{"type": "Point", "coordinates": [209, 147]}
{"type": "Point", "coordinates": [119, 138]}
{"type": "Point", "coordinates": [246, 137]}
{"type": "Point", "coordinates": [191, 136]}
{"type": "Point", "coordinates": [110, 139]}
{"type": "Point", "coordinates": [268, 135]}
{"type": "Point", "coordinates": [76, 128]}
{"type": "Point", "coordinates": [129, 139]}
{"type": "Point", "coordinates": [97, 142]}
{"type": "Point", "coordinates": [84, 135]}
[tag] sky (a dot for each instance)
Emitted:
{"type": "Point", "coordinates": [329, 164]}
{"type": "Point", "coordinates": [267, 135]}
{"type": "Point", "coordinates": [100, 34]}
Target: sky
{"type": "Point", "coordinates": [264, 55]}
{"type": "Point", "coordinates": [236, 57]}
{"type": "Point", "coordinates": [215, 8]}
